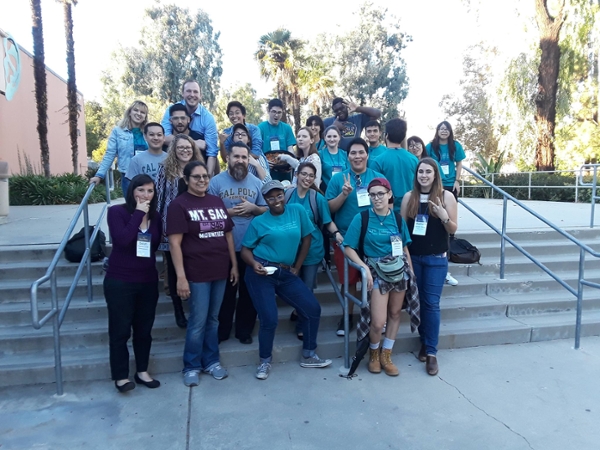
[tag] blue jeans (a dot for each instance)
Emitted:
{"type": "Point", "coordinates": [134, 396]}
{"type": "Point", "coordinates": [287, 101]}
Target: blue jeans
{"type": "Point", "coordinates": [430, 272]}
{"type": "Point", "coordinates": [308, 274]}
{"type": "Point", "coordinates": [124, 184]}
{"type": "Point", "coordinates": [201, 349]}
{"type": "Point", "coordinates": [293, 291]}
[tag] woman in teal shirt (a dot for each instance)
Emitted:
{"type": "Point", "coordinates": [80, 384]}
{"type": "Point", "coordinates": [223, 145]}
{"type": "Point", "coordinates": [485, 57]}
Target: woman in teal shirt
{"type": "Point", "coordinates": [274, 248]}
{"type": "Point", "coordinates": [386, 236]}
{"type": "Point", "coordinates": [449, 154]}
{"type": "Point", "coordinates": [333, 159]}
{"type": "Point", "coordinates": [313, 202]}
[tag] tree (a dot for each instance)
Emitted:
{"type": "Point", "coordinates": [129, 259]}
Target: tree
{"type": "Point", "coordinates": [471, 109]}
{"type": "Point", "coordinates": [96, 125]}
{"type": "Point", "coordinates": [370, 68]}
{"type": "Point", "coordinates": [279, 57]}
{"type": "Point", "coordinates": [545, 100]}
{"type": "Point", "coordinates": [244, 94]}
{"type": "Point", "coordinates": [41, 85]}
{"type": "Point", "coordinates": [316, 84]}
{"type": "Point", "coordinates": [73, 106]}
{"type": "Point", "coordinates": [175, 45]}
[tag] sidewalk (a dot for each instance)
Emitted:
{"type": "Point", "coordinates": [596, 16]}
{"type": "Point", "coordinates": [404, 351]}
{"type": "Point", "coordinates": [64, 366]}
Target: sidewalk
{"type": "Point", "coordinates": [47, 224]}
{"type": "Point", "coordinates": [531, 396]}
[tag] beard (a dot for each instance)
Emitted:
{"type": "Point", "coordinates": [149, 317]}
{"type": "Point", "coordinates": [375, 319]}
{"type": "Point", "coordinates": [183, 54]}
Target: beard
{"type": "Point", "coordinates": [239, 171]}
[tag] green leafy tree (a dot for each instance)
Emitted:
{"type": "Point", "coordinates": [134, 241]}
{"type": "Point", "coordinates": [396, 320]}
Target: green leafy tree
{"type": "Point", "coordinates": [470, 109]}
{"type": "Point", "coordinates": [370, 68]}
{"type": "Point", "coordinates": [176, 44]}
{"type": "Point", "coordinates": [280, 58]}
{"type": "Point", "coordinates": [244, 94]}
{"type": "Point", "coordinates": [96, 125]}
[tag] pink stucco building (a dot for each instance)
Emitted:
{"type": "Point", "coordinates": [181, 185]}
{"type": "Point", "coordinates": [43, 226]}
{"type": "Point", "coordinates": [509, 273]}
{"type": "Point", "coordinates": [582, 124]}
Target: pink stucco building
{"type": "Point", "coordinates": [18, 115]}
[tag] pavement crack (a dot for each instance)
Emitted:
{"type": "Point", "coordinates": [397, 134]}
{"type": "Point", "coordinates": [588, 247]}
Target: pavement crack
{"type": "Point", "coordinates": [189, 420]}
{"type": "Point", "coordinates": [487, 414]}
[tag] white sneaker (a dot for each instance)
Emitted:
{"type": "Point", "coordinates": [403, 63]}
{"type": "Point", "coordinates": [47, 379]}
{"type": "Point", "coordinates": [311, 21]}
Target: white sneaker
{"type": "Point", "coordinates": [451, 280]}
{"type": "Point", "coordinates": [262, 371]}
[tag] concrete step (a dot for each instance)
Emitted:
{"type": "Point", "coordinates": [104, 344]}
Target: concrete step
{"type": "Point", "coordinates": [546, 327]}
{"type": "Point", "coordinates": [32, 270]}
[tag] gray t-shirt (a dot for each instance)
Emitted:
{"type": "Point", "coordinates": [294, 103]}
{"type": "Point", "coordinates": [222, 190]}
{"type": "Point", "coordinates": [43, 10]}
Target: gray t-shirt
{"type": "Point", "coordinates": [232, 192]}
{"type": "Point", "coordinates": [145, 162]}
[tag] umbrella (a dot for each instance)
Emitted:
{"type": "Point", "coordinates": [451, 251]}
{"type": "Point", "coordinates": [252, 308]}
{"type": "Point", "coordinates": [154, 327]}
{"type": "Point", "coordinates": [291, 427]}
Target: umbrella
{"type": "Point", "coordinates": [362, 346]}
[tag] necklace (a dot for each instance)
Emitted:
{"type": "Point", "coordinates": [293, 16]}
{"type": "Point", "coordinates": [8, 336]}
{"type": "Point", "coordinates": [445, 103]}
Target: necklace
{"type": "Point", "coordinates": [379, 218]}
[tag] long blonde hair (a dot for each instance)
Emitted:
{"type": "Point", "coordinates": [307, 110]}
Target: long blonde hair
{"type": "Point", "coordinates": [126, 123]}
{"type": "Point", "coordinates": [436, 191]}
{"type": "Point", "coordinates": [171, 163]}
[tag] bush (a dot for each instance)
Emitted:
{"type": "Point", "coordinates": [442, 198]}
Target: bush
{"type": "Point", "coordinates": [66, 189]}
{"type": "Point", "coordinates": [520, 181]}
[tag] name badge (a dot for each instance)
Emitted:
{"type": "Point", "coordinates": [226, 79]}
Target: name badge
{"type": "Point", "coordinates": [143, 245]}
{"type": "Point", "coordinates": [275, 143]}
{"type": "Point", "coordinates": [445, 168]}
{"type": "Point", "coordinates": [396, 241]}
{"type": "Point", "coordinates": [362, 195]}
{"type": "Point", "coordinates": [420, 227]}
{"type": "Point", "coordinates": [335, 170]}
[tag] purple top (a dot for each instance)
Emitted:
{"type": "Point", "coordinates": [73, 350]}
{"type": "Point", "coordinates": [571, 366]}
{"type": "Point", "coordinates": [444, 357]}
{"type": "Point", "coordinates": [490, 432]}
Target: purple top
{"type": "Point", "coordinates": [123, 264]}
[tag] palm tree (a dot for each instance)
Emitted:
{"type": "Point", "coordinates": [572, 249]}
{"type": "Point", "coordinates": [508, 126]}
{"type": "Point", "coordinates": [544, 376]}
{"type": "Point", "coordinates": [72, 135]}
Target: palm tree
{"type": "Point", "coordinates": [41, 85]}
{"type": "Point", "coordinates": [279, 57]}
{"type": "Point", "coordinates": [72, 105]}
{"type": "Point", "coordinates": [316, 84]}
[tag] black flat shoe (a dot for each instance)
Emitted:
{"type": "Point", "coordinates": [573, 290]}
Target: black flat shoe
{"type": "Point", "coordinates": [129, 386]}
{"type": "Point", "coordinates": [247, 340]}
{"type": "Point", "coordinates": [149, 384]}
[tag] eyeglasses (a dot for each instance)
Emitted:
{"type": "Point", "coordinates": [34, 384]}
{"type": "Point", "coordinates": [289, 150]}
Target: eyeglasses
{"type": "Point", "coordinates": [377, 195]}
{"type": "Point", "coordinates": [414, 145]}
{"type": "Point", "coordinates": [307, 175]}
{"type": "Point", "coordinates": [443, 129]}
{"type": "Point", "coordinates": [183, 149]}
{"type": "Point", "coordinates": [240, 135]}
{"type": "Point", "coordinates": [200, 177]}
{"type": "Point", "coordinates": [276, 113]}
{"type": "Point", "coordinates": [275, 199]}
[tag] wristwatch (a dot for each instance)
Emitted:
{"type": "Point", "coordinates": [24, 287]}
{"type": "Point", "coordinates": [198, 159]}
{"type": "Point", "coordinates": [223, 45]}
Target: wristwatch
{"type": "Point", "coordinates": [446, 221]}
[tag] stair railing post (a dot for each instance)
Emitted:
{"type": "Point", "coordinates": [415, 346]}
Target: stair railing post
{"type": "Point", "coordinates": [56, 333]}
{"type": "Point", "coordinates": [529, 188]}
{"type": "Point", "coordinates": [346, 318]}
{"type": "Point", "coordinates": [579, 298]}
{"type": "Point", "coordinates": [594, 183]}
{"type": "Point", "coordinates": [503, 241]}
{"type": "Point", "coordinates": [88, 246]}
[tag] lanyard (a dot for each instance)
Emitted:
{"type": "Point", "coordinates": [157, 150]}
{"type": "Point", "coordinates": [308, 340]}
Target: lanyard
{"type": "Point", "coordinates": [382, 222]}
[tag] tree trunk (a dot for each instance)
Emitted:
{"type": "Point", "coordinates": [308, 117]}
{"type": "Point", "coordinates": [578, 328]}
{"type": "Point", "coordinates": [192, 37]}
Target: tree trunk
{"type": "Point", "coordinates": [296, 111]}
{"type": "Point", "coordinates": [41, 86]}
{"type": "Point", "coordinates": [545, 100]}
{"type": "Point", "coordinates": [71, 85]}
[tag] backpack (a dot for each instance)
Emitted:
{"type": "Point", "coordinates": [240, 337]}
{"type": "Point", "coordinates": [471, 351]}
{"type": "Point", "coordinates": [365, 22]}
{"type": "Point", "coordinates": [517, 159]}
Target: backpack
{"type": "Point", "coordinates": [462, 251]}
{"type": "Point", "coordinates": [75, 247]}
{"type": "Point", "coordinates": [364, 223]}
{"type": "Point", "coordinates": [312, 199]}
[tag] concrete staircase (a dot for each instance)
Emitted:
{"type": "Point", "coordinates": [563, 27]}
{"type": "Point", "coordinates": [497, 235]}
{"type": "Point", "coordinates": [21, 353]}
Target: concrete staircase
{"type": "Point", "coordinates": [482, 310]}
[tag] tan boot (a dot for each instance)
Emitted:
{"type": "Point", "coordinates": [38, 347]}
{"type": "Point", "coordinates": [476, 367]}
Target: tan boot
{"type": "Point", "coordinates": [386, 363]}
{"type": "Point", "coordinates": [374, 364]}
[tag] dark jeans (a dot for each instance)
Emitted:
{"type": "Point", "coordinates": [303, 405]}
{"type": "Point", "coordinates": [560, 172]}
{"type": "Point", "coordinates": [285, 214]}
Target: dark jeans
{"type": "Point", "coordinates": [245, 314]}
{"type": "Point", "coordinates": [172, 278]}
{"type": "Point", "coordinates": [293, 291]}
{"type": "Point", "coordinates": [130, 306]}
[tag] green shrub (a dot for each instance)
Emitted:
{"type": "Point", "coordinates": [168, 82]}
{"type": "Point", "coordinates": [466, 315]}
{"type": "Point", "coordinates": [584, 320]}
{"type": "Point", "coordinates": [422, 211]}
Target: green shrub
{"type": "Point", "coordinates": [66, 189]}
{"type": "Point", "coordinates": [520, 182]}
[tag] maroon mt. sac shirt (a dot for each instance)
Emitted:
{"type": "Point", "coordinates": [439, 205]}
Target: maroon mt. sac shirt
{"type": "Point", "coordinates": [123, 264]}
{"type": "Point", "coordinates": [203, 221]}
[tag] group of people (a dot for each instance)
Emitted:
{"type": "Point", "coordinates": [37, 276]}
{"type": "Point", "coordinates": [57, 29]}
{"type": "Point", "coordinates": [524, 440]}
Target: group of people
{"type": "Point", "coordinates": [234, 240]}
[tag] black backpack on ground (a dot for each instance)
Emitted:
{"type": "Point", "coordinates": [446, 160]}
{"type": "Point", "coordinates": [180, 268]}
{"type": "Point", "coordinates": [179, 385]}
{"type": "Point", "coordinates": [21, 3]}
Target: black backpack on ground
{"type": "Point", "coordinates": [75, 247]}
{"type": "Point", "coordinates": [462, 251]}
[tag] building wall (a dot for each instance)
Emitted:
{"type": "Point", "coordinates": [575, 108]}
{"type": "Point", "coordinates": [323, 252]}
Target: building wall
{"type": "Point", "coordinates": [18, 122]}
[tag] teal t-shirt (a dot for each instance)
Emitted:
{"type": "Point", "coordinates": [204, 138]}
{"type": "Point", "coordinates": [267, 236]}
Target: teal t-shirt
{"type": "Point", "coordinates": [321, 145]}
{"type": "Point", "coordinates": [328, 161]}
{"type": "Point", "coordinates": [350, 208]}
{"type": "Point", "coordinates": [444, 158]}
{"type": "Point", "coordinates": [317, 251]}
{"type": "Point", "coordinates": [375, 152]}
{"type": "Point", "coordinates": [377, 239]}
{"type": "Point", "coordinates": [277, 238]}
{"type": "Point", "coordinates": [399, 167]}
{"type": "Point", "coordinates": [139, 143]}
{"type": "Point", "coordinates": [282, 131]}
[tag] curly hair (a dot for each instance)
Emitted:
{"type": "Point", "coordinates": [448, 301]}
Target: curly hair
{"type": "Point", "coordinates": [171, 164]}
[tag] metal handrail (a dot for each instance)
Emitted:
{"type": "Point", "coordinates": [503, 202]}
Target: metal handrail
{"type": "Point", "coordinates": [593, 184]}
{"type": "Point", "coordinates": [583, 249]}
{"type": "Point", "coordinates": [56, 313]}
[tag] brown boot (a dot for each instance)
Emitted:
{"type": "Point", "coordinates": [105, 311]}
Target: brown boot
{"type": "Point", "coordinates": [374, 364]}
{"type": "Point", "coordinates": [386, 363]}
